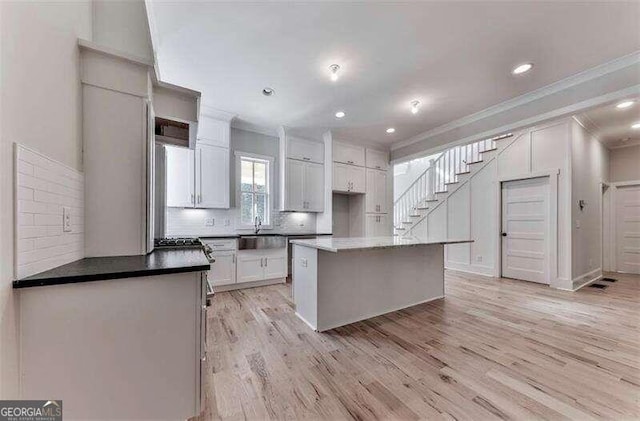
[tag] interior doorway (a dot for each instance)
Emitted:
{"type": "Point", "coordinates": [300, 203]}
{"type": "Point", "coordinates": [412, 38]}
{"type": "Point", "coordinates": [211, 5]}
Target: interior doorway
{"type": "Point", "coordinates": [525, 229]}
{"type": "Point", "coordinates": [627, 228]}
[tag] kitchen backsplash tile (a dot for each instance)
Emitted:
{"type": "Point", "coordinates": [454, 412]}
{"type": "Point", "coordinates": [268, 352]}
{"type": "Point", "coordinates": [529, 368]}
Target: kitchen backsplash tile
{"type": "Point", "coordinates": [43, 188]}
{"type": "Point", "coordinates": [193, 222]}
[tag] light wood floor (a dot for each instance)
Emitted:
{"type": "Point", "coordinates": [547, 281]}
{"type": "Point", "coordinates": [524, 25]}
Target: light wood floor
{"type": "Point", "coordinates": [492, 349]}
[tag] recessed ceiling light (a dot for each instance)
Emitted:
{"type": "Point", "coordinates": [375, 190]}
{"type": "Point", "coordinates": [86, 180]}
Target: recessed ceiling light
{"type": "Point", "coordinates": [334, 68]}
{"type": "Point", "coordinates": [415, 106]}
{"type": "Point", "coordinates": [636, 125]}
{"type": "Point", "coordinates": [268, 91]}
{"type": "Point", "coordinates": [340, 114]}
{"type": "Point", "coordinates": [522, 68]}
{"type": "Point", "coordinates": [625, 104]}
{"type": "Point", "coordinates": [391, 130]}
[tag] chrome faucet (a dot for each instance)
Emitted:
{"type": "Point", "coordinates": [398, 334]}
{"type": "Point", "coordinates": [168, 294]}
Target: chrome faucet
{"type": "Point", "coordinates": [257, 224]}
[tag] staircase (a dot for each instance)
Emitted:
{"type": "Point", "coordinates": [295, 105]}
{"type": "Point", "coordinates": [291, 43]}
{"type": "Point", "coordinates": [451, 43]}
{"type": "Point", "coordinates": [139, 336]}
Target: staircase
{"type": "Point", "coordinates": [434, 183]}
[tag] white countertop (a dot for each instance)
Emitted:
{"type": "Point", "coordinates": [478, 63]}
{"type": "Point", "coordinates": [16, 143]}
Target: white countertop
{"type": "Point", "coordinates": [362, 243]}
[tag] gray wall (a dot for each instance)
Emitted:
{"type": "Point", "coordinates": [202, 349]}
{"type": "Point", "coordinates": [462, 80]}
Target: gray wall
{"type": "Point", "coordinates": [245, 141]}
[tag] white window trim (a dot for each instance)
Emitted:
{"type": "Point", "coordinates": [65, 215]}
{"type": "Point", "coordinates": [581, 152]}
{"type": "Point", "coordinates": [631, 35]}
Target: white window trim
{"type": "Point", "coordinates": [270, 187]}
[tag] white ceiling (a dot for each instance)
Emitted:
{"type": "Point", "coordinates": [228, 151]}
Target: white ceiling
{"type": "Point", "coordinates": [612, 125]}
{"type": "Point", "coordinates": [455, 57]}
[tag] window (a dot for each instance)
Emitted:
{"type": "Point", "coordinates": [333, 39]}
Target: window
{"type": "Point", "coordinates": [255, 188]}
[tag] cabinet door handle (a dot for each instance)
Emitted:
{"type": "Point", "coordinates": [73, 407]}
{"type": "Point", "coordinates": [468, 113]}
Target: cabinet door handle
{"type": "Point", "coordinates": [192, 199]}
{"type": "Point", "coordinates": [261, 263]}
{"type": "Point", "coordinates": [306, 159]}
{"type": "Point", "coordinates": [233, 258]}
{"type": "Point", "coordinates": [266, 262]}
{"type": "Point", "coordinates": [199, 198]}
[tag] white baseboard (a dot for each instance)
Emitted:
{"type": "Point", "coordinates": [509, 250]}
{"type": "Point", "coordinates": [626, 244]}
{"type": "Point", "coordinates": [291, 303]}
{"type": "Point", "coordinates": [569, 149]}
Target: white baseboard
{"type": "Point", "coordinates": [243, 285]}
{"type": "Point", "coordinates": [473, 269]}
{"type": "Point", "coordinates": [586, 279]}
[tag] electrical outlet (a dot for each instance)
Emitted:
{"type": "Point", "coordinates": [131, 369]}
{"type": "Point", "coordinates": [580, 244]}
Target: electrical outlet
{"type": "Point", "coordinates": [479, 259]}
{"type": "Point", "coordinates": [66, 219]}
{"type": "Point", "coordinates": [577, 223]}
{"type": "Point", "coordinates": [227, 222]}
{"type": "Point", "coordinates": [209, 222]}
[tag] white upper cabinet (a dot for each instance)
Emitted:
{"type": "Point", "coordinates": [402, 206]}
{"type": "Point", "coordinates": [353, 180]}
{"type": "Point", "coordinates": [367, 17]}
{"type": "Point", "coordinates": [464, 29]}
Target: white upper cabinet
{"type": "Point", "coordinates": [212, 176]}
{"type": "Point", "coordinates": [179, 177]}
{"type": "Point", "coordinates": [376, 197]}
{"type": "Point", "coordinates": [348, 154]}
{"type": "Point", "coordinates": [304, 186]}
{"type": "Point", "coordinates": [305, 150]}
{"type": "Point", "coordinates": [377, 159]}
{"type": "Point", "coordinates": [213, 132]}
{"type": "Point", "coordinates": [348, 178]}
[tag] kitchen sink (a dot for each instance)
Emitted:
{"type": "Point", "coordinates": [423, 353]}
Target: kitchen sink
{"type": "Point", "coordinates": [259, 242]}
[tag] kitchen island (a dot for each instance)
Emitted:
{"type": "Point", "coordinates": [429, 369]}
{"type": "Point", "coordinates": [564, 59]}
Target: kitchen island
{"type": "Point", "coordinates": [338, 281]}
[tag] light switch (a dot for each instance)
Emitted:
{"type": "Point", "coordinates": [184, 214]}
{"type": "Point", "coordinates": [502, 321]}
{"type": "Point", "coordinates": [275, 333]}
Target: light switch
{"type": "Point", "coordinates": [227, 222]}
{"type": "Point", "coordinates": [577, 223]}
{"type": "Point", "coordinates": [66, 219]}
{"type": "Point", "coordinates": [303, 262]}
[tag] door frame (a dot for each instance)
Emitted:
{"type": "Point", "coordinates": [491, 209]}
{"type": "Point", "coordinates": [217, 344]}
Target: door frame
{"type": "Point", "coordinates": [552, 223]}
{"type": "Point", "coordinates": [613, 251]}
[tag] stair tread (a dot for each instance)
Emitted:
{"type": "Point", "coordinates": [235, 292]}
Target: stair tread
{"type": "Point", "coordinates": [415, 216]}
{"type": "Point", "coordinates": [431, 200]}
{"type": "Point", "coordinates": [422, 207]}
{"type": "Point", "coordinates": [407, 222]}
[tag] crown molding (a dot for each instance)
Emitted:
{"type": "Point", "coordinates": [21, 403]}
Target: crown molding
{"type": "Point", "coordinates": [625, 144]}
{"type": "Point", "coordinates": [578, 78]}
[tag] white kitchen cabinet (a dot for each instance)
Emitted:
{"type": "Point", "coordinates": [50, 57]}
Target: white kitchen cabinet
{"type": "Point", "coordinates": [376, 197]}
{"type": "Point", "coordinates": [348, 154]}
{"type": "Point", "coordinates": [304, 187]}
{"type": "Point", "coordinates": [260, 265]}
{"type": "Point", "coordinates": [305, 150]}
{"type": "Point", "coordinates": [179, 177]}
{"type": "Point", "coordinates": [314, 187]}
{"type": "Point", "coordinates": [211, 176]}
{"type": "Point", "coordinates": [213, 132]}
{"type": "Point", "coordinates": [377, 159]}
{"type": "Point", "coordinates": [223, 270]}
{"type": "Point", "coordinates": [348, 178]}
{"type": "Point", "coordinates": [376, 225]}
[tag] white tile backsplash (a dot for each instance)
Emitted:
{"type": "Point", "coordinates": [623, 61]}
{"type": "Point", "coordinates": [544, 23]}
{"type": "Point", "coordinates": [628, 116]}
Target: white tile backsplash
{"type": "Point", "coordinates": [192, 222]}
{"type": "Point", "coordinates": [43, 188]}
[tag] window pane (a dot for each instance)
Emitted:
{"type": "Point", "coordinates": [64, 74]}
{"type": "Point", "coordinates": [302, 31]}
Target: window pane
{"type": "Point", "coordinates": [246, 208]}
{"type": "Point", "coordinates": [261, 207]}
{"type": "Point", "coordinates": [246, 176]}
{"type": "Point", "coordinates": [260, 177]}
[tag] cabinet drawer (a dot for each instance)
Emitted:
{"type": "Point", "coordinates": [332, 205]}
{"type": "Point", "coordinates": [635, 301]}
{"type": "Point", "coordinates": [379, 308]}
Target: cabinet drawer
{"type": "Point", "coordinates": [348, 154]}
{"type": "Point", "coordinates": [305, 150]}
{"type": "Point", "coordinates": [377, 159]}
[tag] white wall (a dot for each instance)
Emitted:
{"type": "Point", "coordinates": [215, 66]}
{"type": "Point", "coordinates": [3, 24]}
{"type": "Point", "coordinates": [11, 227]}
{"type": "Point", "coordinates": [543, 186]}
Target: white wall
{"type": "Point", "coordinates": [122, 25]}
{"type": "Point", "coordinates": [40, 97]}
{"type": "Point", "coordinates": [589, 167]}
{"type": "Point", "coordinates": [624, 164]}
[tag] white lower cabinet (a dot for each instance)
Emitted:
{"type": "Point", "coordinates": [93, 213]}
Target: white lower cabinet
{"type": "Point", "coordinates": [223, 270]}
{"type": "Point", "coordinates": [260, 265]}
{"type": "Point", "coordinates": [376, 226]}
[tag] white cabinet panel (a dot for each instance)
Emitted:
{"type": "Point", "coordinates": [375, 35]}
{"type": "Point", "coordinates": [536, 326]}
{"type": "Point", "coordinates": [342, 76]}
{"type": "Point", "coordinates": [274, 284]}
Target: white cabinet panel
{"type": "Point", "coordinates": [348, 154]}
{"type": "Point", "coordinates": [348, 178]}
{"type": "Point", "coordinates": [212, 176]}
{"type": "Point", "coordinates": [275, 264]}
{"type": "Point", "coordinates": [377, 159]}
{"type": "Point", "coordinates": [223, 270]}
{"type": "Point", "coordinates": [213, 132]}
{"type": "Point", "coordinates": [250, 267]}
{"type": "Point", "coordinates": [305, 150]}
{"type": "Point", "coordinates": [179, 177]}
{"type": "Point", "coordinates": [294, 188]}
{"type": "Point", "coordinates": [314, 187]}
{"type": "Point", "coordinates": [376, 226]}
{"type": "Point", "coordinates": [376, 200]}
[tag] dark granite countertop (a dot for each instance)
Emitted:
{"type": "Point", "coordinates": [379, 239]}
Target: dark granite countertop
{"type": "Point", "coordinates": [158, 262]}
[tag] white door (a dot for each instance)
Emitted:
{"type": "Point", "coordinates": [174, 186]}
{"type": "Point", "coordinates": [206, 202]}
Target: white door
{"type": "Point", "coordinates": [223, 270]}
{"type": "Point", "coordinates": [275, 266]}
{"type": "Point", "coordinates": [340, 177]}
{"type": "Point", "coordinates": [179, 177]}
{"type": "Point", "coordinates": [314, 187]}
{"type": "Point", "coordinates": [212, 176]}
{"type": "Point", "coordinates": [628, 229]}
{"type": "Point", "coordinates": [295, 185]}
{"type": "Point", "coordinates": [376, 191]}
{"type": "Point", "coordinates": [358, 179]}
{"type": "Point", "coordinates": [525, 216]}
{"type": "Point", "coordinates": [250, 267]}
